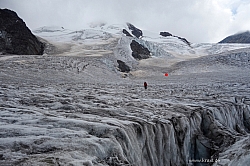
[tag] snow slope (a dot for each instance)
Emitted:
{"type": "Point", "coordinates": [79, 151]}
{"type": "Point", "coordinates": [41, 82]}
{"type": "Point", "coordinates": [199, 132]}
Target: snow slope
{"type": "Point", "coordinates": [72, 106]}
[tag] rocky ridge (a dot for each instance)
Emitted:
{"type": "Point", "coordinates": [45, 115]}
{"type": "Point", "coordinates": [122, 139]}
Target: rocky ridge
{"type": "Point", "coordinates": [166, 34]}
{"type": "Point", "coordinates": [15, 36]}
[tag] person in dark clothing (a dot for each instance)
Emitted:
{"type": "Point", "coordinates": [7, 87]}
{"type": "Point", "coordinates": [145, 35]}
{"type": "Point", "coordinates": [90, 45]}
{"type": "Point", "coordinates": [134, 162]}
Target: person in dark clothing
{"type": "Point", "coordinates": [145, 85]}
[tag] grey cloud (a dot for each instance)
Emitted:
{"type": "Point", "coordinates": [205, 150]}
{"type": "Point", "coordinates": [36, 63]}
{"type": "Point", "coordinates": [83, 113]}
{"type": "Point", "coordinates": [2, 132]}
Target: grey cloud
{"type": "Point", "coordinates": [196, 20]}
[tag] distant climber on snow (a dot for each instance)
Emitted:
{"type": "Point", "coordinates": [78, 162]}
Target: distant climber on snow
{"type": "Point", "coordinates": [145, 85]}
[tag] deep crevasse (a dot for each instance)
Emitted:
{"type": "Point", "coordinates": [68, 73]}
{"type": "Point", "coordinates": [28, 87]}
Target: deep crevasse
{"type": "Point", "coordinates": [202, 134]}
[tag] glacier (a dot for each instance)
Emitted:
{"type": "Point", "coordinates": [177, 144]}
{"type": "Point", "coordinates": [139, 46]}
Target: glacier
{"type": "Point", "coordinates": [71, 106]}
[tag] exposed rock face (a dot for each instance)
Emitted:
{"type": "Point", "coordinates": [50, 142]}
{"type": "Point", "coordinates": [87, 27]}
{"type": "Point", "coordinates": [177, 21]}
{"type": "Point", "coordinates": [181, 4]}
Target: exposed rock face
{"type": "Point", "coordinates": [139, 51]}
{"type": "Point", "coordinates": [165, 34]}
{"type": "Point", "coordinates": [184, 40]}
{"type": "Point", "coordinates": [135, 31]}
{"type": "Point", "coordinates": [15, 37]}
{"type": "Point", "coordinates": [123, 67]}
{"type": "Point", "coordinates": [126, 33]}
{"type": "Point", "coordinates": [237, 38]}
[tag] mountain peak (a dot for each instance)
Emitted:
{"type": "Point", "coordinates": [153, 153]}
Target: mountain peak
{"type": "Point", "coordinates": [135, 31]}
{"type": "Point", "coordinates": [243, 37]}
{"type": "Point", "coordinates": [16, 37]}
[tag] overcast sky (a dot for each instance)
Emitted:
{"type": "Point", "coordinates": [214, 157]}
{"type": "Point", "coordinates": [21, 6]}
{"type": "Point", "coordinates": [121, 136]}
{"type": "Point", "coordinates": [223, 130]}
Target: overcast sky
{"type": "Point", "coordinates": [197, 20]}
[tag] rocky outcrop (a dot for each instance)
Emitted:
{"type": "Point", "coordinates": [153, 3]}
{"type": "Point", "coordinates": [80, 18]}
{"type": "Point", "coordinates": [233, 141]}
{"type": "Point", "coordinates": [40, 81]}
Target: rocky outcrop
{"type": "Point", "coordinates": [123, 67]}
{"type": "Point", "coordinates": [135, 31]}
{"type": "Point", "coordinates": [15, 36]}
{"type": "Point", "coordinates": [165, 34]}
{"type": "Point", "coordinates": [126, 33]}
{"type": "Point", "coordinates": [184, 40]}
{"type": "Point", "coordinates": [139, 51]}
{"type": "Point", "coordinates": [237, 38]}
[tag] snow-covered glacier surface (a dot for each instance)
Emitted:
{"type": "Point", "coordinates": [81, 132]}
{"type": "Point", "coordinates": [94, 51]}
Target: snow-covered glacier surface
{"type": "Point", "coordinates": [72, 106]}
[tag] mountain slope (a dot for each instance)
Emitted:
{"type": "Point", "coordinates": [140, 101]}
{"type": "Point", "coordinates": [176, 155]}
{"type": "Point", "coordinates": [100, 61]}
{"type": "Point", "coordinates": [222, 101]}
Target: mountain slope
{"type": "Point", "coordinates": [15, 37]}
{"type": "Point", "coordinates": [109, 44]}
{"type": "Point", "coordinates": [237, 38]}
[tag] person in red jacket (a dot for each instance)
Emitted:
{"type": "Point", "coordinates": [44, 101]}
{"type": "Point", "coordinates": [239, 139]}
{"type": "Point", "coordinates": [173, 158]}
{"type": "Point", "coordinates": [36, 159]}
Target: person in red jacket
{"type": "Point", "coordinates": [145, 85]}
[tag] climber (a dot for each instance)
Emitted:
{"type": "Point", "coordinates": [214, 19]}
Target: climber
{"type": "Point", "coordinates": [145, 85]}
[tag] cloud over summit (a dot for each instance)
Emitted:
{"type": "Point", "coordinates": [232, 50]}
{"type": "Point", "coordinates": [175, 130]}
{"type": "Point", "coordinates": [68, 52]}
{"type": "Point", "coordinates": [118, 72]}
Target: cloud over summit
{"type": "Point", "coordinates": [196, 20]}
